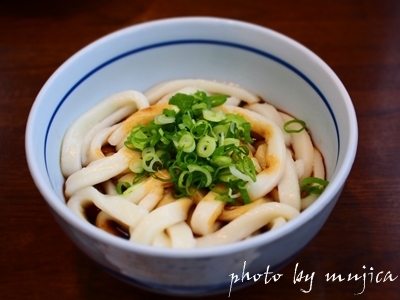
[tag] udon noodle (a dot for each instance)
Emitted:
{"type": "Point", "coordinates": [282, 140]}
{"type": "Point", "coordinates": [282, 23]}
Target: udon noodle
{"type": "Point", "coordinates": [95, 160]}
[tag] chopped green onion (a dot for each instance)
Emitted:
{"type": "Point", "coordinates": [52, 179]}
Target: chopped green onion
{"type": "Point", "coordinates": [213, 115]}
{"type": "Point", "coordinates": [222, 161]}
{"type": "Point", "coordinates": [139, 177]}
{"type": "Point", "coordinates": [227, 177]}
{"type": "Point", "coordinates": [122, 186]}
{"type": "Point", "coordinates": [163, 119]}
{"type": "Point", "coordinates": [244, 192]}
{"type": "Point", "coordinates": [133, 187]}
{"type": "Point", "coordinates": [313, 185]}
{"type": "Point", "coordinates": [187, 121]}
{"type": "Point", "coordinates": [232, 141]}
{"type": "Point", "coordinates": [199, 145]}
{"type": "Point", "coordinates": [203, 170]}
{"type": "Point", "coordinates": [217, 100]}
{"type": "Point", "coordinates": [187, 143]}
{"type": "Point", "coordinates": [292, 130]}
{"type": "Point", "coordinates": [137, 139]}
{"type": "Point", "coordinates": [151, 162]}
{"type": "Point", "coordinates": [200, 129]}
{"type": "Point", "coordinates": [185, 181]}
{"type": "Point", "coordinates": [199, 108]}
{"type": "Point", "coordinates": [206, 146]}
{"type": "Point", "coordinates": [239, 174]}
{"type": "Point", "coordinates": [221, 129]}
{"type": "Point", "coordinates": [148, 150]}
{"type": "Point", "coordinates": [136, 166]}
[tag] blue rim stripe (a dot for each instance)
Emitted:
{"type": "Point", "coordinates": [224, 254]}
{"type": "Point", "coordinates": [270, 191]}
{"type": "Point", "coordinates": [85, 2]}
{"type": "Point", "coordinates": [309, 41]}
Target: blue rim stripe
{"type": "Point", "coordinates": [194, 41]}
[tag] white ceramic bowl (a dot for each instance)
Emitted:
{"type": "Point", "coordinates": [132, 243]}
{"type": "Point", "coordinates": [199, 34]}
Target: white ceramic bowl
{"type": "Point", "coordinates": [267, 63]}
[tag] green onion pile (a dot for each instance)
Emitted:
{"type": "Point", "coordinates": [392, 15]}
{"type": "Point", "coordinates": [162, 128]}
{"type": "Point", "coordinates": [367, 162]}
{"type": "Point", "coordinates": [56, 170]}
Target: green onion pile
{"type": "Point", "coordinates": [200, 146]}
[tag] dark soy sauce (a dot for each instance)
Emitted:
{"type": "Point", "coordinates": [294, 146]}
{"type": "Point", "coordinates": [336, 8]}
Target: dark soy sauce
{"type": "Point", "coordinates": [110, 226]}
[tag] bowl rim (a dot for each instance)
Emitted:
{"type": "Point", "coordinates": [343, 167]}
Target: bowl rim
{"type": "Point", "coordinates": [62, 210]}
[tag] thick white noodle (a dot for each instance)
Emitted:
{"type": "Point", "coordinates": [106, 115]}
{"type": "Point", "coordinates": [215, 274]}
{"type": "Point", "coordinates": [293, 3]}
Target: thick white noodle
{"type": "Point", "coordinates": [146, 194]}
{"type": "Point", "coordinates": [307, 201]}
{"type": "Point", "coordinates": [116, 206]}
{"type": "Point", "coordinates": [110, 188]}
{"type": "Point", "coordinates": [160, 90]}
{"type": "Point", "coordinates": [155, 191]}
{"type": "Point", "coordinates": [302, 147]}
{"type": "Point", "coordinates": [318, 165]}
{"type": "Point", "coordinates": [94, 151]}
{"type": "Point", "coordinates": [168, 197]}
{"type": "Point", "coordinates": [233, 101]}
{"type": "Point", "coordinates": [261, 157]}
{"type": "Point", "coordinates": [272, 114]}
{"type": "Point", "coordinates": [288, 187]}
{"type": "Point", "coordinates": [77, 204]}
{"type": "Point", "coordinates": [181, 235]}
{"type": "Point", "coordinates": [233, 212]}
{"type": "Point", "coordinates": [111, 120]}
{"type": "Point", "coordinates": [99, 171]}
{"type": "Point", "coordinates": [277, 222]}
{"type": "Point", "coordinates": [299, 163]}
{"type": "Point", "coordinates": [206, 213]}
{"type": "Point", "coordinates": [276, 155]}
{"type": "Point", "coordinates": [71, 150]}
{"type": "Point", "coordinates": [162, 240]}
{"type": "Point", "coordinates": [159, 219]}
{"type": "Point", "coordinates": [246, 224]}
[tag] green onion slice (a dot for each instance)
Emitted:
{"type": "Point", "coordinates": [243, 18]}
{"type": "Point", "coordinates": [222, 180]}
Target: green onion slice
{"type": "Point", "coordinates": [187, 143]}
{"type": "Point", "coordinates": [206, 173]}
{"type": "Point", "coordinates": [206, 146]}
{"type": "Point", "coordinates": [313, 185]}
{"type": "Point", "coordinates": [213, 115]}
{"type": "Point", "coordinates": [122, 186]}
{"type": "Point", "coordinates": [287, 126]}
{"type": "Point", "coordinates": [163, 119]}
